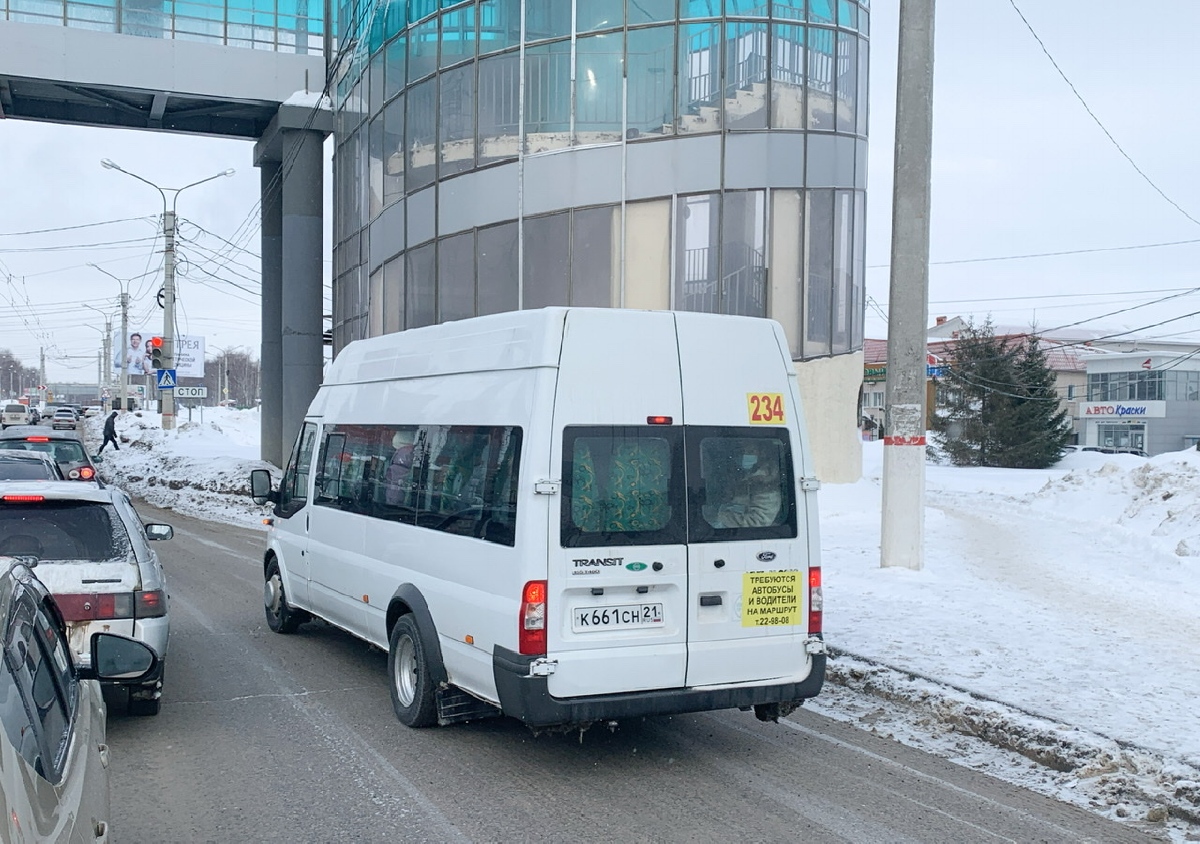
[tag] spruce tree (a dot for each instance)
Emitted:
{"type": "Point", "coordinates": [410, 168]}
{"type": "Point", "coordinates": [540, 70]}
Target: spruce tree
{"type": "Point", "coordinates": [1041, 427]}
{"type": "Point", "coordinates": [998, 405]}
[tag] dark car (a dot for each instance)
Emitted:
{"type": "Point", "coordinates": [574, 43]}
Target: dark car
{"type": "Point", "coordinates": [54, 766]}
{"type": "Point", "coordinates": [28, 466]}
{"type": "Point", "coordinates": [65, 449]}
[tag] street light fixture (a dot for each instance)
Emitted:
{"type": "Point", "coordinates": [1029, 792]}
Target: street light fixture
{"type": "Point", "coordinates": [168, 396]}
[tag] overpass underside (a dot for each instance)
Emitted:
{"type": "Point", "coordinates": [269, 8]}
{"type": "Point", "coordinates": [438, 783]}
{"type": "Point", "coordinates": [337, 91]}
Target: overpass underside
{"type": "Point", "coordinates": [165, 73]}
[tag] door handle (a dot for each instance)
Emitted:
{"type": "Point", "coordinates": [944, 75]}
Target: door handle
{"type": "Point", "coordinates": [710, 600]}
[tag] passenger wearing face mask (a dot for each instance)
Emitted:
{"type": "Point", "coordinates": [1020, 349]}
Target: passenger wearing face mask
{"type": "Point", "coordinates": [757, 497]}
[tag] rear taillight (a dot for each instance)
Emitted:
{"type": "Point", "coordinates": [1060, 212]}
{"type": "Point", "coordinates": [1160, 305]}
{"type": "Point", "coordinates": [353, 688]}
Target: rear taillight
{"type": "Point", "coordinates": [816, 601]}
{"type": "Point", "coordinates": [151, 604]}
{"type": "Point", "coordinates": [87, 473]}
{"type": "Point", "coordinates": [531, 636]}
{"type": "Point", "coordinates": [95, 607]}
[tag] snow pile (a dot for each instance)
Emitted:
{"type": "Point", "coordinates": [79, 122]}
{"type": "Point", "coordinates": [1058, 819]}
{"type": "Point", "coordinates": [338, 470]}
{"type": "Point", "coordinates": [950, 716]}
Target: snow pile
{"type": "Point", "coordinates": [1050, 638]}
{"type": "Point", "coordinates": [1159, 499]}
{"type": "Point", "coordinates": [201, 469]}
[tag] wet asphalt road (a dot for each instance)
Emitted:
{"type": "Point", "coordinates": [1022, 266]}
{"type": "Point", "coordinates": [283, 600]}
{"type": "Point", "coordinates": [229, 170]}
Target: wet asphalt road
{"type": "Point", "coordinates": [265, 737]}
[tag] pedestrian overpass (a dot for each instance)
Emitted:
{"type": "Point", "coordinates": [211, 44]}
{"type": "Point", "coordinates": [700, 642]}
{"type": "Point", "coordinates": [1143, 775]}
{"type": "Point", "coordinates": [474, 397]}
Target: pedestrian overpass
{"type": "Point", "coordinates": [251, 69]}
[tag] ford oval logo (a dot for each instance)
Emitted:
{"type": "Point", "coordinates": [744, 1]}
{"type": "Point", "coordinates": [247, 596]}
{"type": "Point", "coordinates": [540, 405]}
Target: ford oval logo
{"type": "Point", "coordinates": [635, 566]}
{"type": "Point", "coordinates": [765, 556]}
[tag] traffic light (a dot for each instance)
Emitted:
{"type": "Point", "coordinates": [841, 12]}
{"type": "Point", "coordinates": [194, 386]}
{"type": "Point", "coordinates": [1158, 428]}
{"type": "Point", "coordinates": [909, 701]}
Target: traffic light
{"type": "Point", "coordinates": [156, 352]}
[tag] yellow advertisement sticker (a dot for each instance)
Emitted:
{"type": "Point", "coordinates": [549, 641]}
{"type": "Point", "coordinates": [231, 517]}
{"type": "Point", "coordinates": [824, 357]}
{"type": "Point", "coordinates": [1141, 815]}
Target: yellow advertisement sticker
{"type": "Point", "coordinates": [765, 408]}
{"type": "Point", "coordinates": [771, 598]}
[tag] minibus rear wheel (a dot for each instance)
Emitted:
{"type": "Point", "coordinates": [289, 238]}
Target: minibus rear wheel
{"type": "Point", "coordinates": [408, 673]}
{"type": "Point", "coordinates": [280, 617]}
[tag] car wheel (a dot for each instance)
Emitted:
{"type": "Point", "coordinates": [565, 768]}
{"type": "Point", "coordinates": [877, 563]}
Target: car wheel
{"type": "Point", "coordinates": [408, 673]}
{"type": "Point", "coordinates": [280, 617]}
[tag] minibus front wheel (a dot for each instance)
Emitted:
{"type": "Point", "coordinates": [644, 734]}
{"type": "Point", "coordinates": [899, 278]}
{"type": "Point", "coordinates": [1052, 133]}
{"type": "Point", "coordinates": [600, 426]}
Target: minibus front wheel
{"type": "Point", "coordinates": [408, 673]}
{"type": "Point", "coordinates": [281, 618]}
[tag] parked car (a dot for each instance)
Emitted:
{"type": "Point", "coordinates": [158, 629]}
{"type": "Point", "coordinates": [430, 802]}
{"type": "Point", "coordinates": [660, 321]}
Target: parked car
{"type": "Point", "coordinates": [64, 417]}
{"type": "Point", "coordinates": [90, 411]}
{"type": "Point", "coordinates": [28, 466]}
{"type": "Point", "coordinates": [14, 413]}
{"type": "Point", "coordinates": [95, 557]}
{"type": "Point", "coordinates": [1105, 449]}
{"type": "Point", "coordinates": [54, 771]}
{"type": "Point", "coordinates": [65, 449]}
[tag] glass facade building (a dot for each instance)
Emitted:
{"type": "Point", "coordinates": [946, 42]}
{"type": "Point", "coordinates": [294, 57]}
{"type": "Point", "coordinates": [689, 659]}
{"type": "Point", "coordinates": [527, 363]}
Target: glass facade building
{"type": "Point", "coordinates": [705, 155]}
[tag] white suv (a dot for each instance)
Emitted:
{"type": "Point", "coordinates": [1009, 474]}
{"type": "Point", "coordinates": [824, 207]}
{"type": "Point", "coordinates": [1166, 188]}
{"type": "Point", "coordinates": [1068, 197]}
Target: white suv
{"type": "Point", "coordinates": [93, 554]}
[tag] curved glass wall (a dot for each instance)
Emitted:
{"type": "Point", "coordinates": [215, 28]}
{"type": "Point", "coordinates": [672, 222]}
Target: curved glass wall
{"type": "Point", "coordinates": [486, 156]}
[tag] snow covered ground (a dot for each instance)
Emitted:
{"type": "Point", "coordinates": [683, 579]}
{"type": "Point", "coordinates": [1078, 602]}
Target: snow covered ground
{"type": "Point", "coordinates": [1052, 638]}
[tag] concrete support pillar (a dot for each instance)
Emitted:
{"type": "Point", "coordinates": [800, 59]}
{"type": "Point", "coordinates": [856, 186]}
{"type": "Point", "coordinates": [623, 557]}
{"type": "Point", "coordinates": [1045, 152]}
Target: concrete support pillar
{"type": "Point", "coordinates": [273, 446]}
{"type": "Point", "coordinates": [302, 347]}
{"type": "Point", "coordinates": [290, 155]}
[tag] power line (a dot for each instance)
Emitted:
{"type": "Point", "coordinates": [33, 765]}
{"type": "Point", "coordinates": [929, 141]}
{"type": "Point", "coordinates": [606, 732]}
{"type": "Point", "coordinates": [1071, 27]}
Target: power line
{"type": "Point", "coordinates": [73, 228]}
{"type": "Point", "coordinates": [1097, 120]}
{"type": "Point", "coordinates": [1059, 253]}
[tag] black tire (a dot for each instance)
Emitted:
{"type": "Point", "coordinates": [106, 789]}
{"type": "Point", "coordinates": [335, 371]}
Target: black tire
{"type": "Point", "coordinates": [280, 617]}
{"type": "Point", "coordinates": [408, 676]}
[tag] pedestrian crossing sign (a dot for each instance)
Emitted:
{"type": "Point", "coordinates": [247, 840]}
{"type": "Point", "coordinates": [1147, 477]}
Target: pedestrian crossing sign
{"type": "Point", "coordinates": [166, 379]}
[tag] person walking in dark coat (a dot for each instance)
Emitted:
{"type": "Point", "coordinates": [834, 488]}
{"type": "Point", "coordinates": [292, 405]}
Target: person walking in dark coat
{"type": "Point", "coordinates": [110, 432]}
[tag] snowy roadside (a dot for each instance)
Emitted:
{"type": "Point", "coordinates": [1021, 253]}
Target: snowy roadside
{"type": "Point", "coordinates": [1049, 641]}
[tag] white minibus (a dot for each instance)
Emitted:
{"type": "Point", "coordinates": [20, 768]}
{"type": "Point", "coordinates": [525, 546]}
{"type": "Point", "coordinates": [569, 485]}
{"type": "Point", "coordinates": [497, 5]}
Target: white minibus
{"type": "Point", "coordinates": [566, 515]}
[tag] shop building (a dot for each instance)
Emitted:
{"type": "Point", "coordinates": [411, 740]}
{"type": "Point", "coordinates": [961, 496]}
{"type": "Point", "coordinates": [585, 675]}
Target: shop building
{"type": "Point", "coordinates": [1144, 401]}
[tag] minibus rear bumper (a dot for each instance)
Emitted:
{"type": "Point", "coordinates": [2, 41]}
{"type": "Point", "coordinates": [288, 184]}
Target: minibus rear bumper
{"type": "Point", "coordinates": [527, 698]}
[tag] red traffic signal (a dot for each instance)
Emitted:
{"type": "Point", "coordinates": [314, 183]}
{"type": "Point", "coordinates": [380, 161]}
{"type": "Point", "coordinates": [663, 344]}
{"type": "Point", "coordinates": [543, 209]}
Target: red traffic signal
{"type": "Point", "coordinates": [156, 342]}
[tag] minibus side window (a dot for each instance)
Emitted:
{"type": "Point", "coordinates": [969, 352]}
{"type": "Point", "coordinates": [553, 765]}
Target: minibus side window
{"type": "Point", "coordinates": [622, 486]}
{"type": "Point", "coordinates": [457, 479]}
{"type": "Point", "coordinates": [293, 491]}
{"type": "Point", "coordinates": [740, 484]}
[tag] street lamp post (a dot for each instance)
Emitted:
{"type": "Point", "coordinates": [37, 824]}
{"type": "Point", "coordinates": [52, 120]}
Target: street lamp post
{"type": "Point", "coordinates": [124, 331]}
{"type": "Point", "coordinates": [105, 378]}
{"type": "Point", "coordinates": [168, 352]}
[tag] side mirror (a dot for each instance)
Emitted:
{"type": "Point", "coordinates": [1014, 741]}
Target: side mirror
{"type": "Point", "coordinates": [96, 458]}
{"type": "Point", "coordinates": [155, 531]}
{"type": "Point", "coordinates": [260, 486]}
{"type": "Point", "coordinates": [119, 658]}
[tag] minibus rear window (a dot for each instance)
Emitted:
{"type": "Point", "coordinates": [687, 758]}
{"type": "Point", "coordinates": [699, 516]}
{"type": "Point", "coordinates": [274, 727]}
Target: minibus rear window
{"type": "Point", "coordinates": [740, 484]}
{"type": "Point", "coordinates": [622, 486]}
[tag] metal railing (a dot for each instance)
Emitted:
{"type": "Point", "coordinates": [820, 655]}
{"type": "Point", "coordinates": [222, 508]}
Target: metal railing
{"type": "Point", "coordinates": [284, 26]}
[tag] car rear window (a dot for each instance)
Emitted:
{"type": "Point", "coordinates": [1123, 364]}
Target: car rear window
{"type": "Point", "coordinates": [63, 530]}
{"type": "Point", "coordinates": [61, 451]}
{"type": "Point", "coordinates": [25, 470]}
{"type": "Point", "coordinates": [14, 408]}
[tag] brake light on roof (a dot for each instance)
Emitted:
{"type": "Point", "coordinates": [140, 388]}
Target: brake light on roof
{"type": "Point", "coordinates": [658, 420]}
{"type": "Point", "coordinates": [816, 600]}
{"type": "Point", "coordinates": [37, 439]}
{"type": "Point", "coordinates": [23, 498]}
{"type": "Point", "coordinates": [531, 637]}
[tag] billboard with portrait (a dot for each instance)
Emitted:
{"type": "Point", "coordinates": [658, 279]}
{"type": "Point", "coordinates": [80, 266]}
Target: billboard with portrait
{"type": "Point", "coordinates": [133, 353]}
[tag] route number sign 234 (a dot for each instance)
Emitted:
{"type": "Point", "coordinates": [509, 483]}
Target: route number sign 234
{"type": "Point", "coordinates": [765, 408]}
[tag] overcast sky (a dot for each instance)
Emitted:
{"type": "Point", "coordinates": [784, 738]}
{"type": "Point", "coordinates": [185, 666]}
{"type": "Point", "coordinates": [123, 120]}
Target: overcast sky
{"type": "Point", "coordinates": [1019, 167]}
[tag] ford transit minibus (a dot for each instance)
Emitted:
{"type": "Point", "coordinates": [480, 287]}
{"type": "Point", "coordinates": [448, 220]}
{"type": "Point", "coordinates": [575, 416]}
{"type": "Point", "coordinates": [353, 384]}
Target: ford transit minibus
{"type": "Point", "coordinates": [562, 515]}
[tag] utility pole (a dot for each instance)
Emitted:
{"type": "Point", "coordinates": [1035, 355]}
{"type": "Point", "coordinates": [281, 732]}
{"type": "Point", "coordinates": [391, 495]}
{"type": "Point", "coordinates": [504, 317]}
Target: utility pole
{"type": "Point", "coordinates": [124, 340]}
{"type": "Point", "coordinates": [168, 335]}
{"type": "Point", "coordinates": [903, 530]}
{"type": "Point", "coordinates": [168, 352]}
